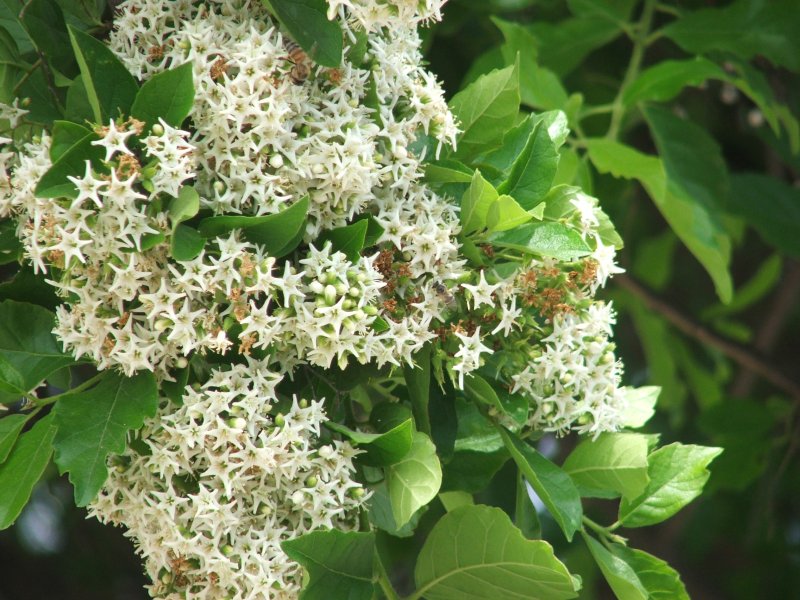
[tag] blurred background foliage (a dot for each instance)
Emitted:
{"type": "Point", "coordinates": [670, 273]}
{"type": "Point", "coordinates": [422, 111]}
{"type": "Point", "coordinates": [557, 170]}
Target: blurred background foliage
{"type": "Point", "coordinates": [684, 124]}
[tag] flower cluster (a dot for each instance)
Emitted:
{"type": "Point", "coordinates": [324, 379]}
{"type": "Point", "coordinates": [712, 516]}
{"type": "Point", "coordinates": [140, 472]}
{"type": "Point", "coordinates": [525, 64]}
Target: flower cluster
{"type": "Point", "coordinates": [216, 484]}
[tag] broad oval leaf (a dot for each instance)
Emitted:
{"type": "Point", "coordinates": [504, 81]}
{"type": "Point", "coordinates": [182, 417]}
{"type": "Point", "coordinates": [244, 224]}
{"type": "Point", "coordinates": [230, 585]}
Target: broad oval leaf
{"type": "Point", "coordinates": [640, 405]}
{"type": "Point", "coordinates": [619, 574]}
{"type": "Point", "coordinates": [485, 110]}
{"type": "Point", "coordinates": [544, 239]}
{"type": "Point", "coordinates": [613, 461]}
{"type": "Point", "coordinates": [95, 422]}
{"type": "Point", "coordinates": [381, 448]}
{"type": "Point", "coordinates": [475, 203]}
{"type": "Point", "coordinates": [677, 475]}
{"type": "Point", "coordinates": [185, 206]}
{"type": "Point", "coordinates": [23, 468]}
{"type": "Point", "coordinates": [339, 563]}
{"type": "Point", "coordinates": [307, 21]}
{"type": "Point", "coordinates": [10, 427]}
{"type": "Point", "coordinates": [110, 88]}
{"type": "Point", "coordinates": [168, 95]}
{"type": "Point", "coordinates": [186, 243]}
{"type": "Point", "coordinates": [475, 552]}
{"type": "Point", "coordinates": [415, 480]}
{"type": "Point", "coordinates": [505, 213]}
{"type": "Point", "coordinates": [665, 80]}
{"type": "Point", "coordinates": [65, 135]}
{"type": "Point", "coordinates": [28, 348]}
{"type": "Point", "coordinates": [661, 581]}
{"type": "Point", "coordinates": [553, 486]}
{"type": "Point", "coordinates": [532, 173]}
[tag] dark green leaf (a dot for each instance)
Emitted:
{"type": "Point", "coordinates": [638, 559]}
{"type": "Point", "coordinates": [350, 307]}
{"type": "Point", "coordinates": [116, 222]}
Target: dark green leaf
{"type": "Point", "coordinates": [28, 348]}
{"type": "Point", "coordinates": [54, 183]}
{"type": "Point", "coordinates": [746, 28]}
{"type": "Point", "coordinates": [339, 563]}
{"type": "Point", "coordinates": [564, 45]}
{"type": "Point", "coordinates": [543, 239]}
{"type": "Point", "coordinates": [617, 11]}
{"type": "Point", "coordinates": [26, 286]}
{"type": "Point", "coordinates": [532, 172]}
{"type": "Point", "coordinates": [307, 22]}
{"type": "Point", "coordinates": [348, 240]}
{"type": "Point", "coordinates": [374, 230]}
{"type": "Point", "coordinates": [23, 468]}
{"type": "Point", "coordinates": [168, 95]}
{"type": "Point", "coordinates": [418, 383]}
{"type": "Point", "coordinates": [475, 553]}
{"type": "Point", "coordinates": [10, 427]}
{"type": "Point", "coordinates": [665, 80]}
{"type": "Point", "coordinates": [525, 517]}
{"type": "Point", "coordinates": [10, 245]}
{"type": "Point", "coordinates": [415, 480]}
{"type": "Point", "coordinates": [381, 448]}
{"type": "Point", "coordinates": [661, 581]}
{"type": "Point", "coordinates": [186, 243]}
{"type": "Point", "coordinates": [677, 475]}
{"type": "Point", "coordinates": [109, 86]}
{"type": "Point", "coordinates": [553, 486]}
{"type": "Point", "coordinates": [473, 471]}
{"type": "Point", "coordinates": [95, 422]}
{"type": "Point", "coordinates": [78, 108]}
{"type": "Point", "coordinates": [44, 22]}
{"type": "Point", "coordinates": [65, 135]}
{"type": "Point", "coordinates": [485, 110]}
{"type": "Point", "coordinates": [619, 574]}
{"type": "Point", "coordinates": [274, 232]}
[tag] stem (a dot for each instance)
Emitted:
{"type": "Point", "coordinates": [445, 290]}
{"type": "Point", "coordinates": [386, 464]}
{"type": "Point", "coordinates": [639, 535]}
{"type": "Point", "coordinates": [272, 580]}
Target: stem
{"type": "Point", "coordinates": [606, 534]}
{"type": "Point", "coordinates": [383, 581]}
{"type": "Point", "coordinates": [639, 45]}
{"type": "Point", "coordinates": [39, 403]}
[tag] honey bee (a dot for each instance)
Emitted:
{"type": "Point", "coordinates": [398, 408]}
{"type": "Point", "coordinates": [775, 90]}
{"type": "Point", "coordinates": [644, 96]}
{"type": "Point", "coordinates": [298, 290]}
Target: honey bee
{"type": "Point", "coordinates": [301, 64]}
{"type": "Point", "coordinates": [445, 295]}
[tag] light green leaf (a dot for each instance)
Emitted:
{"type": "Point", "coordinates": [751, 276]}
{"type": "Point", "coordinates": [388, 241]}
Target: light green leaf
{"type": "Point", "coordinates": [348, 240]}
{"type": "Point", "coordinates": [29, 352]}
{"type": "Point", "coordinates": [94, 423]}
{"type": "Point", "coordinates": [661, 581]}
{"type": "Point", "coordinates": [641, 403]}
{"type": "Point", "coordinates": [185, 206]}
{"type": "Point", "coordinates": [475, 203]}
{"type": "Point", "coordinates": [447, 171]}
{"type": "Point", "coordinates": [533, 171]}
{"type": "Point", "coordinates": [693, 222]}
{"type": "Point", "coordinates": [475, 552]}
{"type": "Point", "coordinates": [381, 448]}
{"type": "Point", "coordinates": [677, 475]}
{"type": "Point", "coordinates": [339, 563]}
{"type": "Point", "coordinates": [23, 468]}
{"type": "Point", "coordinates": [666, 79]}
{"type": "Point", "coordinates": [308, 24]}
{"type": "Point", "coordinates": [168, 95]}
{"type": "Point", "coordinates": [186, 243]}
{"type": "Point", "coordinates": [613, 461]}
{"type": "Point", "coordinates": [380, 514]}
{"type": "Point", "coordinates": [543, 239]}
{"type": "Point", "coordinates": [477, 389]}
{"type": "Point", "coordinates": [10, 427]}
{"type": "Point", "coordinates": [415, 480]}
{"type": "Point", "coordinates": [746, 28]}
{"type": "Point", "coordinates": [485, 110]}
{"type": "Point", "coordinates": [619, 574]}
{"type": "Point", "coordinates": [454, 500]}
{"type": "Point", "coordinates": [553, 486]}
{"type": "Point", "coordinates": [110, 88]}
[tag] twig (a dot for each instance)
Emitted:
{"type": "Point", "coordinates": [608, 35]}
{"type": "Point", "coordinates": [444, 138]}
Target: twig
{"type": "Point", "coordinates": [743, 356]}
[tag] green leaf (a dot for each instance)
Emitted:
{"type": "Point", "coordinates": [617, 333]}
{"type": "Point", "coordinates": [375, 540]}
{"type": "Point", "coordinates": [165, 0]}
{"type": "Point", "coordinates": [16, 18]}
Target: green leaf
{"type": "Point", "coordinates": [418, 384]}
{"type": "Point", "coordinates": [186, 243]}
{"type": "Point", "coordinates": [475, 552]}
{"type": "Point", "coordinates": [641, 403]}
{"type": "Point", "coordinates": [65, 135]}
{"type": "Point", "coordinates": [10, 427]}
{"type": "Point", "coordinates": [454, 500]}
{"type": "Point", "coordinates": [485, 110]}
{"type": "Point", "coordinates": [771, 207]}
{"type": "Point", "coordinates": [72, 163]}
{"type": "Point", "coordinates": [374, 230]}
{"type": "Point", "coordinates": [447, 171]}
{"type": "Point", "coordinates": [746, 28]}
{"type": "Point", "coordinates": [275, 232]}
{"type": "Point", "coordinates": [553, 486]}
{"type": "Point", "coordinates": [543, 239]}
{"type": "Point", "coordinates": [525, 516]}
{"type": "Point", "coordinates": [473, 471]}
{"type": "Point", "coordinates": [10, 245]}
{"type": "Point", "coordinates": [696, 224]}
{"type": "Point", "coordinates": [619, 574]}
{"type": "Point", "coordinates": [613, 461]}
{"type": "Point", "coordinates": [677, 475]}
{"type": "Point", "coordinates": [415, 480]}
{"type": "Point", "coordinates": [477, 389]}
{"type": "Point", "coordinates": [348, 240]}
{"type": "Point", "coordinates": [533, 171]}
{"type": "Point", "coordinates": [475, 203]}
{"type": "Point", "coordinates": [380, 514]}
{"type": "Point", "coordinates": [618, 11]}
{"type": "Point", "coordinates": [185, 206]}
{"type": "Point", "coordinates": [168, 95]}
{"type": "Point", "coordinates": [661, 581]}
{"type": "Point", "coordinates": [23, 468]}
{"type": "Point", "coordinates": [44, 23]}
{"type": "Point", "coordinates": [109, 86]}
{"type": "Point", "coordinates": [308, 24]}
{"type": "Point", "coordinates": [665, 80]}
{"type": "Point", "coordinates": [339, 563]}
{"type": "Point", "coordinates": [95, 422]}
{"type": "Point", "coordinates": [28, 348]}
{"type": "Point", "coordinates": [564, 45]}
{"type": "Point", "coordinates": [381, 448]}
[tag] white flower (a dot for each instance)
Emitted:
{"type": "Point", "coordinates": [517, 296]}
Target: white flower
{"type": "Point", "coordinates": [114, 140]}
{"type": "Point", "coordinates": [469, 354]}
{"type": "Point", "coordinates": [482, 292]}
{"type": "Point", "coordinates": [604, 258]}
